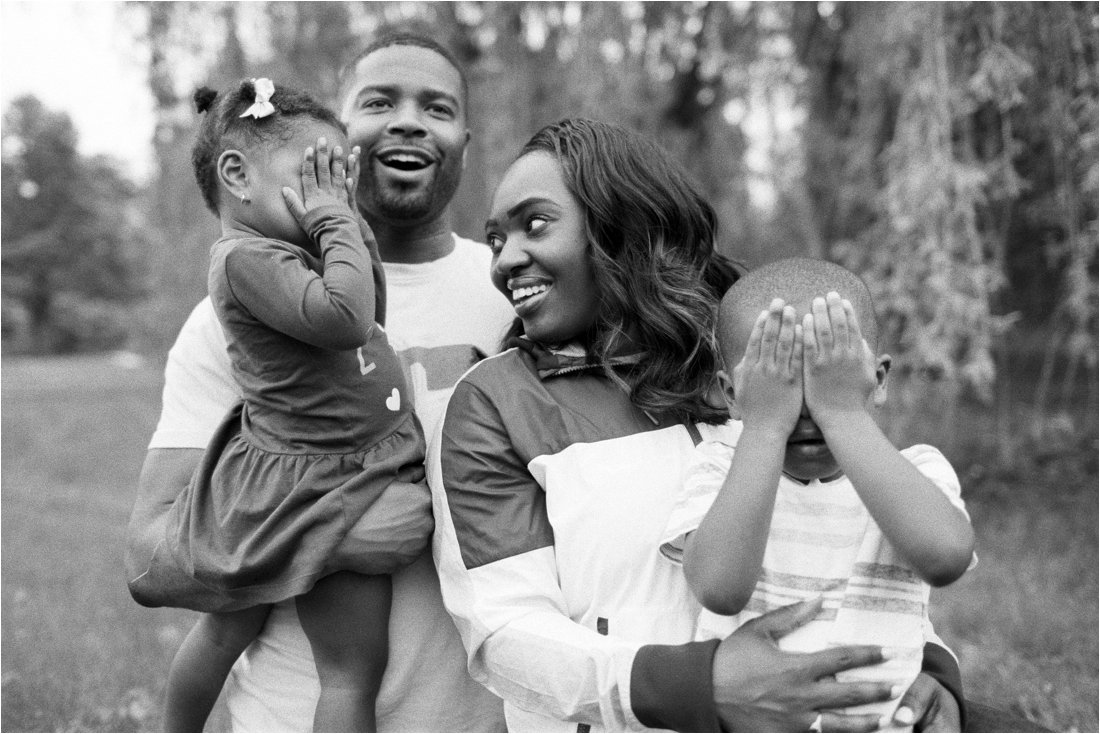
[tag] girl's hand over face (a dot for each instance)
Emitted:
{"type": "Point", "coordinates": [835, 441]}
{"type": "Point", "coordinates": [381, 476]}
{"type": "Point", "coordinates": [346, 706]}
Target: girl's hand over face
{"type": "Point", "coordinates": [768, 379]}
{"type": "Point", "coordinates": [324, 181]}
{"type": "Point", "coordinates": [839, 372]}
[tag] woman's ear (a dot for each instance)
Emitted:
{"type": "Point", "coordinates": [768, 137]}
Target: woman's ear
{"type": "Point", "coordinates": [725, 384]}
{"type": "Point", "coordinates": [233, 174]}
{"type": "Point", "coordinates": [882, 377]}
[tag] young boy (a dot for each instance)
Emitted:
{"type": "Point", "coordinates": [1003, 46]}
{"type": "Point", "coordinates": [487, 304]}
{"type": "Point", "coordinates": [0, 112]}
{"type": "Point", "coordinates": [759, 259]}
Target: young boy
{"type": "Point", "coordinates": [815, 501]}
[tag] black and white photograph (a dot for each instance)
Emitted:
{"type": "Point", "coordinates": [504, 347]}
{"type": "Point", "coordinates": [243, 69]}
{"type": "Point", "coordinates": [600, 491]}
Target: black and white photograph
{"type": "Point", "coordinates": [549, 366]}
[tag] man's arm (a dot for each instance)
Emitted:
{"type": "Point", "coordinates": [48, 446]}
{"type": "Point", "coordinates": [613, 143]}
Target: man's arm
{"type": "Point", "coordinates": [165, 473]}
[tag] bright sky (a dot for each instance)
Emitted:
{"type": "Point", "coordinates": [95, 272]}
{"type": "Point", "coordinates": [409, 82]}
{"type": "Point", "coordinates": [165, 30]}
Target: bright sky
{"type": "Point", "coordinates": [81, 58]}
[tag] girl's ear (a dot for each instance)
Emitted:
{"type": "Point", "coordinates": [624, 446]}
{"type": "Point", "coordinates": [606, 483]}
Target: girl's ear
{"type": "Point", "coordinates": [725, 384]}
{"type": "Point", "coordinates": [882, 376]}
{"type": "Point", "coordinates": [233, 174]}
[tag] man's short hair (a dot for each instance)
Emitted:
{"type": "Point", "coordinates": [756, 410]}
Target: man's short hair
{"type": "Point", "coordinates": [403, 35]}
{"type": "Point", "coordinates": [797, 280]}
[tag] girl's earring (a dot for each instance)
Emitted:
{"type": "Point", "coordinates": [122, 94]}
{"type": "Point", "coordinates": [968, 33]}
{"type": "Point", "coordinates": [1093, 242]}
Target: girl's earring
{"type": "Point", "coordinates": [245, 199]}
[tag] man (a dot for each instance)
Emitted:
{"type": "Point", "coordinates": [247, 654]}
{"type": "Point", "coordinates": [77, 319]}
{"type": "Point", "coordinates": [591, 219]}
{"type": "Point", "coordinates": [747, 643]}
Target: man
{"type": "Point", "coordinates": [404, 101]}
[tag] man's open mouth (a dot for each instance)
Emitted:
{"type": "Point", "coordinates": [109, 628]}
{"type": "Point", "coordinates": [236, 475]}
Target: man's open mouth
{"type": "Point", "coordinates": [405, 160]}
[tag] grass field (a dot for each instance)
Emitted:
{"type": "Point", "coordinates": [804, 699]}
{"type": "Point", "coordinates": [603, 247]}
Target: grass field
{"type": "Point", "coordinates": [78, 654]}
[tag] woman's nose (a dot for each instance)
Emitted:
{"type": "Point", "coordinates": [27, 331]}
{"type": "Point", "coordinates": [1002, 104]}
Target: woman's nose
{"type": "Point", "coordinates": [512, 256]}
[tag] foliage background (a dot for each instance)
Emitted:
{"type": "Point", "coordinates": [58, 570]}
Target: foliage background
{"type": "Point", "coordinates": [945, 151]}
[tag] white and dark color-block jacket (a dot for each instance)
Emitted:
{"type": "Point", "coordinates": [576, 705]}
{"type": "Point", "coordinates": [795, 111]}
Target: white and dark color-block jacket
{"type": "Point", "coordinates": [551, 492]}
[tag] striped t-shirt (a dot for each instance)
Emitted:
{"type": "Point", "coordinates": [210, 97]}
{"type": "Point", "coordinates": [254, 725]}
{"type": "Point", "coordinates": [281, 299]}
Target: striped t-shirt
{"type": "Point", "coordinates": [823, 542]}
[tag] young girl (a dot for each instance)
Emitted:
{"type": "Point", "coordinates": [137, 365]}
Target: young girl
{"type": "Point", "coordinates": [324, 433]}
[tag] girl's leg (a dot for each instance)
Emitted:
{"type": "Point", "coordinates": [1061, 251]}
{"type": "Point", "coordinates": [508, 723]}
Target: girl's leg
{"type": "Point", "coordinates": [346, 618]}
{"type": "Point", "coordinates": [202, 664]}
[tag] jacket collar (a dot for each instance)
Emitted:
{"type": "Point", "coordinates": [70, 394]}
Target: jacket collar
{"type": "Point", "coordinates": [566, 358]}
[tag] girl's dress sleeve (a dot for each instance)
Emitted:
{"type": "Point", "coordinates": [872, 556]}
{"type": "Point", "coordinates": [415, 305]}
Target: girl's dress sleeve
{"type": "Point", "coordinates": [333, 309]}
{"type": "Point", "coordinates": [494, 549]}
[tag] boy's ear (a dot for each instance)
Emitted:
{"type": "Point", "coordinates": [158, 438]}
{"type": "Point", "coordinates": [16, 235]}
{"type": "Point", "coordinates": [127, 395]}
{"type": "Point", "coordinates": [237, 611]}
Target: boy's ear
{"type": "Point", "coordinates": [882, 377]}
{"type": "Point", "coordinates": [725, 384]}
{"type": "Point", "coordinates": [233, 173]}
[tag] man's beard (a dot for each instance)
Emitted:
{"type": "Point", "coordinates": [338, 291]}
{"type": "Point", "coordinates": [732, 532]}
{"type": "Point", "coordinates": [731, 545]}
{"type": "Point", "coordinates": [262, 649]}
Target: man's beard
{"type": "Point", "coordinates": [412, 204]}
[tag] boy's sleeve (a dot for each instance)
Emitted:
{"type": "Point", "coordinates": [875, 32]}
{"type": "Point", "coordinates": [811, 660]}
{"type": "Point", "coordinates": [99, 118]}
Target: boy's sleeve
{"type": "Point", "coordinates": [934, 465]}
{"type": "Point", "coordinates": [939, 661]}
{"type": "Point", "coordinates": [705, 475]}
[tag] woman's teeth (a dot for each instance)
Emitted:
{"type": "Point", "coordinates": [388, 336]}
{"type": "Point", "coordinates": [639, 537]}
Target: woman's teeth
{"type": "Point", "coordinates": [520, 294]}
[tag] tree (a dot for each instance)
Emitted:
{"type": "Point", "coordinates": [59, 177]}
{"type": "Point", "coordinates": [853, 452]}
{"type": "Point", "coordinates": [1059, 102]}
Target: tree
{"type": "Point", "coordinates": [72, 242]}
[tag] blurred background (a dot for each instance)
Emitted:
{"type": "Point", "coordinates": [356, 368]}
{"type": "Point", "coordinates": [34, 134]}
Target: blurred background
{"type": "Point", "coordinates": [947, 152]}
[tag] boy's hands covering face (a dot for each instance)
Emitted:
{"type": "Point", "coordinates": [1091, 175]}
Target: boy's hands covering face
{"type": "Point", "coordinates": [840, 367]}
{"type": "Point", "coordinates": [768, 379]}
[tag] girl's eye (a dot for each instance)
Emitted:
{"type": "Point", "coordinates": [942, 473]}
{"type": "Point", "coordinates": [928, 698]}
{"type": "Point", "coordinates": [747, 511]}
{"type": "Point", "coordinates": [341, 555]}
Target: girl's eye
{"type": "Point", "coordinates": [536, 224]}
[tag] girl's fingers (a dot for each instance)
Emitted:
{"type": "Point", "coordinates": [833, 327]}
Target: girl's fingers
{"type": "Point", "coordinates": [838, 319]}
{"type": "Point", "coordinates": [337, 167]}
{"type": "Point", "coordinates": [293, 203]}
{"type": "Point", "coordinates": [352, 180]}
{"type": "Point", "coordinates": [323, 173]}
{"type": "Point", "coordinates": [309, 172]}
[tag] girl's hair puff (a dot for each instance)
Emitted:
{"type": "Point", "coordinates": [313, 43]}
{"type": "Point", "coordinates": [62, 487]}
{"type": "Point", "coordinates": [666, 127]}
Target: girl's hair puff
{"type": "Point", "coordinates": [222, 127]}
{"type": "Point", "coordinates": [651, 237]}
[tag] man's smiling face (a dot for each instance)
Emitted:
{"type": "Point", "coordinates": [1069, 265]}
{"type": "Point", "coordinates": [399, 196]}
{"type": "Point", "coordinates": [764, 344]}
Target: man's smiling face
{"type": "Point", "coordinates": [405, 107]}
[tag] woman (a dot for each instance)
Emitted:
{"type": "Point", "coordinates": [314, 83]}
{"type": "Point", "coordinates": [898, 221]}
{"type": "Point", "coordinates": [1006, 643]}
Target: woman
{"type": "Point", "coordinates": [558, 462]}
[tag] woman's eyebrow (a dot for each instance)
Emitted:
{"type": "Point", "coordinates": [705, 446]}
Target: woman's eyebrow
{"type": "Point", "coordinates": [527, 203]}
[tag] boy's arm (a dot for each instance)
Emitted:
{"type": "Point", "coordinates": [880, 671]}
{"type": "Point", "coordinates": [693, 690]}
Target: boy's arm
{"type": "Point", "coordinates": [722, 558]}
{"type": "Point", "coordinates": [841, 374]}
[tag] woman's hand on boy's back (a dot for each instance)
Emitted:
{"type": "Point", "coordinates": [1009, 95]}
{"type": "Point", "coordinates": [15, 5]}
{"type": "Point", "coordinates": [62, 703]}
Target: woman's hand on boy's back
{"type": "Point", "coordinates": [840, 368]}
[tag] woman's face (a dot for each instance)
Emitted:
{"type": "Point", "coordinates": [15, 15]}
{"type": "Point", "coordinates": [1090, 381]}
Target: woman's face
{"type": "Point", "coordinates": [540, 251]}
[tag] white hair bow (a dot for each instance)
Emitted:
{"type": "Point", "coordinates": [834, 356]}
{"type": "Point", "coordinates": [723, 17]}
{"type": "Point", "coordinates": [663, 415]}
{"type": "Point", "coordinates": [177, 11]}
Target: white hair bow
{"type": "Point", "coordinates": [262, 107]}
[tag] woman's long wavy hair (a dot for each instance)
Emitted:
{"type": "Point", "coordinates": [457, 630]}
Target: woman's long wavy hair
{"type": "Point", "coordinates": [651, 238]}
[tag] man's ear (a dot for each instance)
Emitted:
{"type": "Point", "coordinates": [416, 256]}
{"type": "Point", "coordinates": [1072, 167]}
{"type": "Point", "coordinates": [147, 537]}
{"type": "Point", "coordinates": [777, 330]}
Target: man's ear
{"type": "Point", "coordinates": [233, 174]}
{"type": "Point", "coordinates": [466, 148]}
{"type": "Point", "coordinates": [882, 377]}
{"type": "Point", "coordinates": [725, 384]}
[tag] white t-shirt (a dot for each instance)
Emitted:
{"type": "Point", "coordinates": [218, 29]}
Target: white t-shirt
{"type": "Point", "coordinates": [440, 316]}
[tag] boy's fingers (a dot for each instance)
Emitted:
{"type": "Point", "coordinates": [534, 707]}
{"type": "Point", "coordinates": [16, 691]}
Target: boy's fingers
{"type": "Point", "coordinates": [822, 333]}
{"type": "Point", "coordinates": [809, 340]}
{"type": "Point", "coordinates": [323, 175]}
{"type": "Point", "coordinates": [796, 352]}
{"type": "Point", "coordinates": [752, 349]}
{"type": "Point", "coordinates": [785, 346]}
{"type": "Point", "coordinates": [838, 318]}
{"type": "Point", "coordinates": [771, 330]}
{"type": "Point", "coordinates": [855, 335]}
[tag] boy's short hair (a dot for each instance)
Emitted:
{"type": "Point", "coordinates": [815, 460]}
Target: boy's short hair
{"type": "Point", "coordinates": [797, 280]}
{"type": "Point", "coordinates": [403, 35]}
